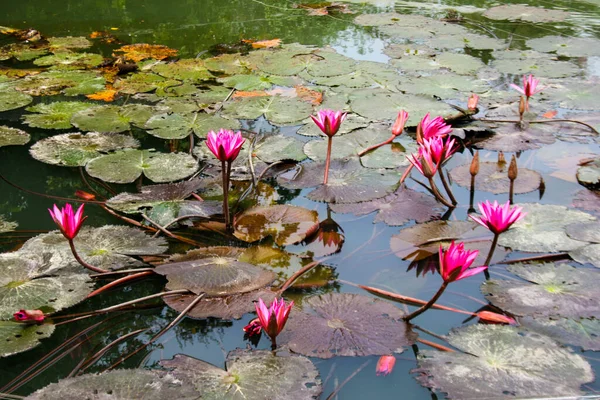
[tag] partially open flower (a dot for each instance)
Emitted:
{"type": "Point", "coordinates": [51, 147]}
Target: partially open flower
{"type": "Point", "coordinates": [253, 328]}
{"type": "Point", "coordinates": [472, 102]}
{"type": "Point", "coordinates": [385, 365]}
{"type": "Point", "coordinates": [455, 262]}
{"type": "Point", "coordinates": [529, 86]}
{"type": "Point", "coordinates": [495, 318]}
{"type": "Point", "coordinates": [225, 145]}
{"type": "Point", "coordinates": [273, 319]}
{"type": "Point", "coordinates": [68, 222]}
{"type": "Point", "coordinates": [29, 316]}
{"type": "Point", "coordinates": [329, 121]}
{"type": "Point", "coordinates": [433, 127]}
{"type": "Point", "coordinates": [398, 126]}
{"type": "Point", "coordinates": [498, 217]}
{"type": "Point", "coordinates": [84, 195]}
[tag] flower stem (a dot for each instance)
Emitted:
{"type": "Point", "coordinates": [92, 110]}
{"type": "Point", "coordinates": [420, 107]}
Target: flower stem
{"type": "Point", "coordinates": [472, 195]}
{"type": "Point", "coordinates": [447, 186]}
{"type": "Point", "coordinates": [225, 168]}
{"type": "Point", "coordinates": [428, 304]}
{"type": "Point", "coordinates": [80, 260]}
{"type": "Point", "coordinates": [274, 343]}
{"type": "Point", "coordinates": [438, 195]}
{"type": "Point", "coordinates": [328, 160]}
{"type": "Point", "coordinates": [376, 146]}
{"type": "Point", "coordinates": [511, 191]}
{"type": "Point", "coordinates": [491, 254]}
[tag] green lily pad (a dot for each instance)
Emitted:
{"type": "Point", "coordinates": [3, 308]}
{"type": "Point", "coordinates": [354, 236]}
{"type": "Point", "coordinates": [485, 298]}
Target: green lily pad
{"type": "Point", "coordinates": [19, 337]}
{"type": "Point", "coordinates": [122, 384]}
{"type": "Point", "coordinates": [27, 283]}
{"type": "Point", "coordinates": [380, 19]}
{"type": "Point", "coordinates": [348, 181]}
{"type": "Point", "coordinates": [392, 155]}
{"type": "Point", "coordinates": [343, 324]}
{"type": "Point", "coordinates": [348, 145]}
{"type": "Point", "coordinates": [522, 12]}
{"type": "Point", "coordinates": [277, 109]}
{"type": "Point", "coordinates": [192, 70]}
{"type": "Point", "coordinates": [256, 82]}
{"type": "Point", "coordinates": [512, 363]}
{"type": "Point", "coordinates": [108, 247]}
{"type": "Point", "coordinates": [70, 83]}
{"type": "Point", "coordinates": [493, 178]}
{"type": "Point", "coordinates": [278, 147]}
{"type": "Point", "coordinates": [587, 254]}
{"type": "Point", "coordinates": [444, 86]}
{"type": "Point", "coordinates": [381, 105]}
{"type": "Point", "coordinates": [13, 136]}
{"type": "Point", "coordinates": [588, 174]}
{"type": "Point", "coordinates": [521, 62]}
{"type": "Point", "coordinates": [566, 46]}
{"type": "Point", "coordinates": [11, 100]}
{"type": "Point", "coordinates": [314, 62]}
{"type": "Point", "coordinates": [22, 51]}
{"type": "Point", "coordinates": [581, 332]}
{"type": "Point", "coordinates": [70, 60]}
{"type": "Point", "coordinates": [112, 119]}
{"type": "Point", "coordinates": [286, 224]}
{"type": "Point", "coordinates": [76, 149]}
{"type": "Point", "coordinates": [462, 64]}
{"type": "Point", "coordinates": [396, 209]}
{"type": "Point", "coordinates": [128, 165]}
{"type": "Point", "coordinates": [56, 115]}
{"type": "Point", "coordinates": [179, 126]}
{"type": "Point", "coordinates": [470, 40]}
{"type": "Point", "coordinates": [68, 42]}
{"type": "Point", "coordinates": [229, 64]}
{"type": "Point", "coordinates": [419, 28]}
{"type": "Point", "coordinates": [551, 290]}
{"type": "Point", "coordinates": [250, 375]}
{"type": "Point", "coordinates": [365, 74]}
{"type": "Point", "coordinates": [143, 82]}
{"type": "Point", "coordinates": [575, 94]}
{"type": "Point", "coordinates": [543, 229]}
{"type": "Point", "coordinates": [7, 226]}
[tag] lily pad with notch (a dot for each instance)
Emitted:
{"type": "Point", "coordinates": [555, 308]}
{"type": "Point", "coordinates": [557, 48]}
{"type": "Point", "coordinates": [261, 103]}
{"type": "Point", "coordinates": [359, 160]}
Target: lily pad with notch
{"type": "Point", "coordinates": [17, 337]}
{"type": "Point", "coordinates": [58, 44]}
{"type": "Point", "coordinates": [128, 165]}
{"type": "Point", "coordinates": [22, 51]}
{"type": "Point", "coordinates": [69, 61]}
{"type": "Point", "coordinates": [13, 136]}
{"type": "Point", "coordinates": [11, 99]}
{"type": "Point", "coordinates": [179, 126]}
{"type": "Point", "coordinates": [276, 148]}
{"type": "Point", "coordinates": [493, 178]}
{"type": "Point", "coordinates": [582, 332]}
{"type": "Point", "coordinates": [143, 82]}
{"type": "Point", "coordinates": [112, 119]}
{"type": "Point", "coordinates": [344, 324]}
{"type": "Point", "coordinates": [520, 62]}
{"type": "Point", "coordinates": [192, 70]}
{"type": "Point", "coordinates": [566, 46]}
{"type": "Point", "coordinates": [277, 109]}
{"type": "Point", "coordinates": [512, 363]}
{"type": "Point", "coordinates": [444, 86]}
{"type": "Point", "coordinates": [70, 83]}
{"type": "Point", "coordinates": [511, 137]}
{"type": "Point", "coordinates": [55, 115]}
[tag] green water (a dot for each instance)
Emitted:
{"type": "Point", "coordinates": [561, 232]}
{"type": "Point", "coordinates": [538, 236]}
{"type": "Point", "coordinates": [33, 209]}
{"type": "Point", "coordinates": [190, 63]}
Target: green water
{"type": "Point", "coordinates": [193, 27]}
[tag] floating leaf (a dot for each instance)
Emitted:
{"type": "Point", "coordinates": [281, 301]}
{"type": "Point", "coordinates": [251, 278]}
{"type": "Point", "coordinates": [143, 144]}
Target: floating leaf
{"type": "Point", "coordinates": [444, 86]}
{"type": "Point", "coordinates": [348, 181]}
{"type": "Point", "coordinates": [119, 384]}
{"type": "Point", "coordinates": [11, 100]}
{"type": "Point", "coordinates": [380, 19]}
{"type": "Point", "coordinates": [71, 83]}
{"type": "Point", "coordinates": [141, 51]}
{"type": "Point", "coordinates": [143, 82]}
{"type": "Point", "coordinates": [588, 174]}
{"type": "Point", "coordinates": [27, 283]}
{"type": "Point", "coordinates": [587, 254]}
{"type": "Point", "coordinates": [396, 209]}
{"type": "Point", "coordinates": [70, 60]}
{"type": "Point", "coordinates": [510, 137]}
{"type": "Point", "coordinates": [314, 62]}
{"type": "Point", "coordinates": [521, 62]}
{"type": "Point", "coordinates": [256, 82]}
{"type": "Point", "coordinates": [578, 332]}
{"type": "Point", "coordinates": [522, 12]}
{"type": "Point", "coordinates": [76, 149]}
{"type": "Point", "coordinates": [22, 51]}
{"type": "Point", "coordinates": [469, 40]}
{"type": "Point", "coordinates": [551, 290]}
{"type": "Point", "coordinates": [192, 70]}
{"type": "Point", "coordinates": [278, 147]}
{"type": "Point", "coordinates": [68, 42]}
{"type": "Point", "coordinates": [462, 64]}
{"type": "Point", "coordinates": [366, 74]}
{"type": "Point", "coordinates": [229, 64]}
{"type": "Point", "coordinates": [566, 46]}
{"type": "Point", "coordinates": [346, 324]}
{"type": "Point", "coordinates": [588, 200]}
{"type": "Point", "coordinates": [277, 109]}
{"type": "Point", "coordinates": [56, 115]}
{"type": "Point", "coordinates": [512, 363]}
{"type": "Point", "coordinates": [286, 224]}
{"type": "Point", "coordinates": [543, 229]}
{"type": "Point", "coordinates": [18, 337]}
{"type": "Point", "coordinates": [178, 126]}
{"type": "Point", "coordinates": [112, 119]}
{"type": "Point", "coordinates": [250, 375]}
{"type": "Point", "coordinates": [585, 231]}
{"type": "Point", "coordinates": [13, 136]}
{"type": "Point", "coordinates": [493, 178]}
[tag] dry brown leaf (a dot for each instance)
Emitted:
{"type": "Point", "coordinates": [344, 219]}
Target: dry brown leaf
{"type": "Point", "coordinates": [266, 44]}
{"type": "Point", "coordinates": [312, 96]}
{"type": "Point", "coordinates": [550, 114]}
{"type": "Point", "coordinates": [106, 37]}
{"type": "Point", "coordinates": [105, 95]}
{"type": "Point", "coordinates": [254, 93]}
{"type": "Point", "coordinates": [141, 51]}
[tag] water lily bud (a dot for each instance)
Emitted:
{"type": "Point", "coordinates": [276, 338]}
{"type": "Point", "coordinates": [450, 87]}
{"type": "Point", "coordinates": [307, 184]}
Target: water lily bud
{"type": "Point", "coordinates": [501, 159]}
{"type": "Point", "coordinates": [29, 316]}
{"type": "Point", "coordinates": [385, 365]}
{"type": "Point", "coordinates": [428, 172]}
{"type": "Point", "coordinates": [474, 168]}
{"type": "Point", "coordinates": [495, 318]}
{"type": "Point", "coordinates": [419, 135]}
{"type": "Point", "coordinates": [513, 170]}
{"type": "Point", "coordinates": [522, 107]}
{"type": "Point", "coordinates": [84, 195]}
{"type": "Point", "coordinates": [472, 102]}
{"type": "Point", "coordinates": [398, 126]}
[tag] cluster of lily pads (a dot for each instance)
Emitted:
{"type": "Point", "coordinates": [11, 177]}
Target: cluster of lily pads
{"type": "Point", "coordinates": [361, 167]}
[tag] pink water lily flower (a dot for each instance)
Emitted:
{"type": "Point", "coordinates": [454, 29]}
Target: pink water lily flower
{"type": "Point", "coordinates": [424, 161]}
{"type": "Point", "coordinates": [29, 315]}
{"type": "Point", "coordinates": [433, 127]}
{"type": "Point", "coordinates": [329, 121]}
{"type": "Point", "coordinates": [225, 145]}
{"type": "Point", "coordinates": [529, 86]}
{"type": "Point", "coordinates": [439, 148]}
{"type": "Point", "coordinates": [498, 217]}
{"type": "Point", "coordinates": [398, 126]}
{"type": "Point", "coordinates": [68, 222]}
{"type": "Point", "coordinates": [455, 262]}
{"type": "Point", "coordinates": [385, 365]}
{"type": "Point", "coordinates": [273, 319]}
{"type": "Point", "coordinates": [253, 328]}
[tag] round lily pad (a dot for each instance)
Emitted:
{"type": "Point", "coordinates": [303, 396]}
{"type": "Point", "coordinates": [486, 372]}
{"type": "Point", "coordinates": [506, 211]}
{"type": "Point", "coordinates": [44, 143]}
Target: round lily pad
{"type": "Point", "coordinates": [462, 64]}
{"type": "Point", "coordinates": [13, 136]}
{"type": "Point", "coordinates": [566, 46]}
{"type": "Point", "coordinates": [470, 40]}
{"type": "Point", "coordinates": [588, 174]}
{"type": "Point", "coordinates": [521, 62]}
{"type": "Point", "coordinates": [392, 155]}
{"type": "Point", "coordinates": [68, 60]}
{"type": "Point", "coordinates": [277, 109]}
{"type": "Point", "coordinates": [512, 363]}
{"type": "Point", "coordinates": [128, 165]}
{"type": "Point", "coordinates": [551, 291]}
{"type": "Point", "coordinates": [511, 137]}
{"type": "Point", "coordinates": [343, 324]}
{"type": "Point", "coordinates": [444, 86]}
{"type": "Point", "coordinates": [522, 12]}
{"type": "Point", "coordinates": [587, 254]}
{"type": "Point", "coordinates": [25, 283]}
{"type": "Point", "coordinates": [256, 82]}
{"type": "Point", "coordinates": [22, 51]}
{"type": "Point", "coordinates": [18, 337]}
{"type": "Point", "coordinates": [76, 149]}
{"type": "Point", "coordinates": [581, 332]}
{"type": "Point", "coordinates": [122, 384]}
{"type": "Point", "coordinates": [179, 126]}
{"type": "Point", "coordinates": [11, 99]}
{"type": "Point", "coordinates": [396, 209]}
{"type": "Point", "coordinates": [143, 82]}
{"type": "Point", "coordinates": [588, 200]}
{"type": "Point", "coordinates": [278, 147]}
{"type": "Point", "coordinates": [543, 229]}
{"type": "Point", "coordinates": [286, 224]}
{"type": "Point", "coordinates": [250, 375]}
{"type": "Point", "coordinates": [192, 70]}
{"type": "Point", "coordinates": [56, 115]}
{"type": "Point", "coordinates": [366, 74]}
{"type": "Point", "coordinates": [349, 181]}
{"type": "Point", "coordinates": [112, 119]}
{"type": "Point", "coordinates": [575, 94]}
{"type": "Point", "coordinates": [70, 83]}
{"type": "Point", "coordinates": [68, 42]}
{"type": "Point", "coordinates": [493, 178]}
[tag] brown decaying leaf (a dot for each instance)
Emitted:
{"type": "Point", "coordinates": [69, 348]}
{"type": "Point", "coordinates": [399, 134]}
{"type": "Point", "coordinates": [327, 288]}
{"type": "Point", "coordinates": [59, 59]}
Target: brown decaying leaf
{"type": "Point", "coordinates": [238, 94]}
{"type": "Point", "coordinates": [314, 97]}
{"type": "Point", "coordinates": [107, 95]}
{"type": "Point", "coordinates": [104, 36]}
{"type": "Point", "coordinates": [141, 51]}
{"type": "Point", "coordinates": [266, 44]}
{"type": "Point", "coordinates": [550, 114]}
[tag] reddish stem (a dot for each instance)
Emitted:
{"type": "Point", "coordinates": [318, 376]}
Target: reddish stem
{"type": "Point", "coordinates": [80, 260]}
{"type": "Point", "coordinates": [225, 168]}
{"type": "Point", "coordinates": [119, 282]}
{"type": "Point", "coordinates": [328, 159]}
{"type": "Point", "coordinates": [431, 302]}
{"type": "Point", "coordinates": [376, 146]}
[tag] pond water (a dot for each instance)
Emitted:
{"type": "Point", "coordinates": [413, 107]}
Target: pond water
{"type": "Point", "coordinates": [416, 67]}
